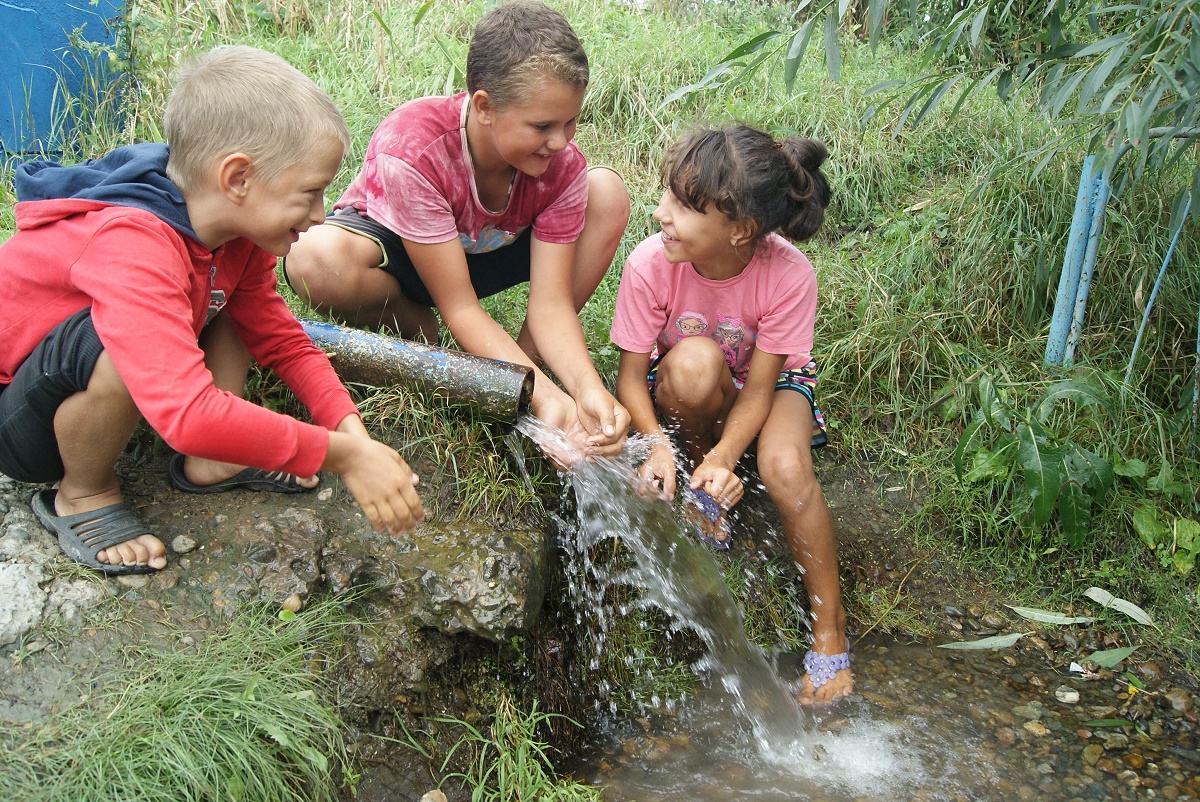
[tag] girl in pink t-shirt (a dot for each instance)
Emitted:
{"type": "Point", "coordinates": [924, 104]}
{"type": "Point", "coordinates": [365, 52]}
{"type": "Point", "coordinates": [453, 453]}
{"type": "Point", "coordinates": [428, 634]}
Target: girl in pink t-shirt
{"type": "Point", "coordinates": [461, 197]}
{"type": "Point", "coordinates": [714, 319]}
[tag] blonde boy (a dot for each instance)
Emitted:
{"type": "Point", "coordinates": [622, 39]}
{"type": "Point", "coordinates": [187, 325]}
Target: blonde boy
{"type": "Point", "coordinates": [142, 284]}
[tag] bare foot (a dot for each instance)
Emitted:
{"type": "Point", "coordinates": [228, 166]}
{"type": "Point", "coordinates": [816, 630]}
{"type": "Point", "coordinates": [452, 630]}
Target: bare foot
{"type": "Point", "coordinates": [142, 550]}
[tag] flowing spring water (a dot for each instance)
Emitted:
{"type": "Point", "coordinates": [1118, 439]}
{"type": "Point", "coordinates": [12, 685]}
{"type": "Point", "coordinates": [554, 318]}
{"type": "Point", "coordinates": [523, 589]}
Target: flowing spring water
{"type": "Point", "coordinates": [749, 716]}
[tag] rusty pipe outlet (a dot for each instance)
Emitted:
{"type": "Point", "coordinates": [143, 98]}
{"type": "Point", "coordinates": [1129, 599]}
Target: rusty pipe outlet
{"type": "Point", "coordinates": [497, 390]}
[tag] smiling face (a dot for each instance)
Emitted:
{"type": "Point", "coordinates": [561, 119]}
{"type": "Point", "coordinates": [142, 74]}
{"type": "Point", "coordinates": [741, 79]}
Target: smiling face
{"type": "Point", "coordinates": [276, 212]}
{"type": "Point", "coordinates": [526, 135]}
{"type": "Point", "coordinates": [706, 239]}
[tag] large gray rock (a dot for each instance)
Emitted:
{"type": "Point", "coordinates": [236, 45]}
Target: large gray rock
{"type": "Point", "coordinates": [22, 600]}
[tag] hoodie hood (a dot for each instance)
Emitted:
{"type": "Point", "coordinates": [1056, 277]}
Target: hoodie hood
{"type": "Point", "coordinates": [133, 175]}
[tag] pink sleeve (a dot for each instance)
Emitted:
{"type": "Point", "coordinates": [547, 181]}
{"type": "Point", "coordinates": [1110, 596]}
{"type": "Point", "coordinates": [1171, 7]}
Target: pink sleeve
{"type": "Point", "coordinates": [638, 316]}
{"type": "Point", "coordinates": [562, 220]}
{"type": "Point", "coordinates": [787, 327]}
{"type": "Point", "coordinates": [426, 214]}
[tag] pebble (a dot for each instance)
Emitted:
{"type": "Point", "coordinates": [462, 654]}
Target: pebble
{"type": "Point", "coordinates": [1092, 753]}
{"type": "Point", "coordinates": [1180, 700]}
{"type": "Point", "coordinates": [434, 796]}
{"type": "Point", "coordinates": [1036, 728]}
{"type": "Point", "coordinates": [292, 603]}
{"type": "Point", "coordinates": [1134, 761]}
{"type": "Point", "coordinates": [183, 544]}
{"type": "Point", "coordinates": [1066, 694]}
{"type": "Point", "coordinates": [325, 494]}
{"type": "Point", "coordinates": [135, 581]}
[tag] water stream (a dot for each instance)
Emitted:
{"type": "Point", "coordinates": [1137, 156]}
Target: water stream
{"type": "Point", "coordinates": [924, 723]}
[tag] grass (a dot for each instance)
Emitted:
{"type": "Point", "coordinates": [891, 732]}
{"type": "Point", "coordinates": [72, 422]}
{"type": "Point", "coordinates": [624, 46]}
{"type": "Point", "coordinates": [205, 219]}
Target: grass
{"type": "Point", "coordinates": [256, 723]}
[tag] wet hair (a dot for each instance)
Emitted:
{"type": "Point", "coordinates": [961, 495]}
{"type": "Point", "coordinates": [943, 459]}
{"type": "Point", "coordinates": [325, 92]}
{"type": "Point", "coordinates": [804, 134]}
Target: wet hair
{"type": "Point", "coordinates": [241, 99]}
{"type": "Point", "coordinates": [752, 178]}
{"type": "Point", "coordinates": [518, 43]}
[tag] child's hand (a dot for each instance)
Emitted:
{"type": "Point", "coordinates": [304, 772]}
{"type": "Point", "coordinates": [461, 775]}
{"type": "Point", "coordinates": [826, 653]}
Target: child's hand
{"type": "Point", "coordinates": [659, 470]}
{"type": "Point", "coordinates": [604, 420]}
{"type": "Point", "coordinates": [558, 411]}
{"type": "Point", "coordinates": [383, 485]}
{"type": "Point", "coordinates": [375, 474]}
{"type": "Point", "coordinates": [717, 478]}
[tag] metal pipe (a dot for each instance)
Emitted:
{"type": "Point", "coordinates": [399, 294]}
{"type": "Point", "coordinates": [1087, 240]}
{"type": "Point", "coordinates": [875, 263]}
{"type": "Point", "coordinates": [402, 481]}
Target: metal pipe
{"type": "Point", "coordinates": [1068, 282]}
{"type": "Point", "coordinates": [496, 389]}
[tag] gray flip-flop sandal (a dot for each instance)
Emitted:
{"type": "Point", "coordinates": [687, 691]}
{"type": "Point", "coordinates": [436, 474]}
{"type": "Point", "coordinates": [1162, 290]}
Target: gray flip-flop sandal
{"type": "Point", "coordinates": [246, 479]}
{"type": "Point", "coordinates": [83, 536]}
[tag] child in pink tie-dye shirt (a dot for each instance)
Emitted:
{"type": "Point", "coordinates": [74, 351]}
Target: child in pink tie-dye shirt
{"type": "Point", "coordinates": [462, 197]}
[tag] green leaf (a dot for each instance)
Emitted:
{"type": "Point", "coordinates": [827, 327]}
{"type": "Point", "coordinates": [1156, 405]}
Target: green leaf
{"type": "Point", "coordinates": [1079, 391]}
{"type": "Point", "coordinates": [1187, 535]}
{"type": "Point", "coordinates": [1110, 657]}
{"type": "Point", "coordinates": [795, 52]}
{"type": "Point", "coordinates": [421, 12]}
{"type": "Point", "coordinates": [1075, 509]}
{"type": "Point", "coordinates": [977, 25]}
{"type": "Point", "coordinates": [1108, 722]}
{"type": "Point", "coordinates": [1183, 561]}
{"type": "Point", "coordinates": [990, 464]}
{"type": "Point", "coordinates": [1131, 469]}
{"type": "Point", "coordinates": [970, 442]}
{"type": "Point", "coordinates": [1149, 528]}
{"type": "Point", "coordinates": [875, 13]}
{"type": "Point", "coordinates": [833, 55]}
{"type": "Point", "coordinates": [1104, 44]}
{"type": "Point", "coordinates": [1049, 616]}
{"type": "Point", "coordinates": [1106, 599]}
{"type": "Point", "coordinates": [994, 642]}
{"type": "Point", "coordinates": [1088, 469]}
{"type": "Point", "coordinates": [1042, 477]}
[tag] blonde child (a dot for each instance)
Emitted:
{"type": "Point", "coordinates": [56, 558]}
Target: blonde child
{"type": "Point", "coordinates": [462, 197]}
{"type": "Point", "coordinates": [714, 319]}
{"type": "Point", "coordinates": [142, 283]}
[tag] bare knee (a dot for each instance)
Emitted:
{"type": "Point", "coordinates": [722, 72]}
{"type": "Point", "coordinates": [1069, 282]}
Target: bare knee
{"type": "Point", "coordinates": [325, 266]}
{"type": "Point", "coordinates": [608, 204]}
{"type": "Point", "coordinates": [696, 368]}
{"type": "Point", "coordinates": [787, 474]}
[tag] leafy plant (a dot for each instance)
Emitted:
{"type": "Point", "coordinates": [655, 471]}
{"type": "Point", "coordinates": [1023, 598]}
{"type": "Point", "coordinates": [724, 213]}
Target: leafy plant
{"type": "Point", "coordinates": [1177, 543]}
{"type": "Point", "coordinates": [1046, 473]}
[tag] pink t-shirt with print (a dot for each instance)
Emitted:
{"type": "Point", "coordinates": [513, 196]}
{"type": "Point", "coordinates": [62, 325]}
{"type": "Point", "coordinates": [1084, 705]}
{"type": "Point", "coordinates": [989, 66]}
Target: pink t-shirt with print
{"type": "Point", "coordinates": [418, 180]}
{"type": "Point", "coordinates": [771, 305]}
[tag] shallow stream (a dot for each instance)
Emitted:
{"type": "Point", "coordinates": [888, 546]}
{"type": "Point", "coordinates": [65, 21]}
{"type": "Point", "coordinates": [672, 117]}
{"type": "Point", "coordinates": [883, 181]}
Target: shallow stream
{"type": "Point", "coordinates": [924, 723]}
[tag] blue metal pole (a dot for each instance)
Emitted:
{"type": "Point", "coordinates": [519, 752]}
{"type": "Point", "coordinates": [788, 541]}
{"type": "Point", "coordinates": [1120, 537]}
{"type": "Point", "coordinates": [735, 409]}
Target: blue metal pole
{"type": "Point", "coordinates": [1154, 293]}
{"type": "Point", "coordinates": [1103, 188]}
{"type": "Point", "coordinates": [1068, 282]}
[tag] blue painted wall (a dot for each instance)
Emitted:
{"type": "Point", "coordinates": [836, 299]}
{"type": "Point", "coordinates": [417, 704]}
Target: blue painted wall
{"type": "Point", "coordinates": [34, 53]}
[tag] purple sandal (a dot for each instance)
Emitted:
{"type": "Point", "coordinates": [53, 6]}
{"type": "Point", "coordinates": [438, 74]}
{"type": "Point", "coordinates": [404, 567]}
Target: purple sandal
{"type": "Point", "coordinates": [711, 511]}
{"type": "Point", "coordinates": [821, 668]}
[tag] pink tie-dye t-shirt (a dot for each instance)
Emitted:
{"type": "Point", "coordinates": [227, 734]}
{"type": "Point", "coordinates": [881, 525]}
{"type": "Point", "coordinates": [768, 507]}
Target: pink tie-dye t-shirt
{"type": "Point", "coordinates": [771, 305]}
{"type": "Point", "coordinates": [417, 179]}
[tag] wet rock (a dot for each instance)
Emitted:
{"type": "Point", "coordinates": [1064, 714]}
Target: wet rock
{"type": "Point", "coordinates": [1066, 694]}
{"type": "Point", "coordinates": [1036, 728]}
{"type": "Point", "coordinates": [134, 581]}
{"type": "Point", "coordinates": [1179, 700]}
{"type": "Point", "coordinates": [955, 612]}
{"type": "Point", "coordinates": [1134, 761]}
{"type": "Point", "coordinates": [1031, 711]}
{"type": "Point", "coordinates": [994, 621]}
{"type": "Point", "coordinates": [283, 552]}
{"type": "Point", "coordinates": [22, 600]}
{"type": "Point", "coordinates": [451, 578]}
{"type": "Point", "coordinates": [1092, 753]}
{"type": "Point", "coordinates": [183, 544]}
{"type": "Point", "coordinates": [433, 796]}
{"type": "Point", "coordinates": [69, 598]}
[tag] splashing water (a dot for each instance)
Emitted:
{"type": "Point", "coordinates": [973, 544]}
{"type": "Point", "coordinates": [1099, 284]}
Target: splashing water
{"type": "Point", "coordinates": [675, 573]}
{"type": "Point", "coordinates": [775, 744]}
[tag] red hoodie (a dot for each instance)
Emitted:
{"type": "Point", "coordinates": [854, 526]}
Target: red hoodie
{"type": "Point", "coordinates": [149, 289]}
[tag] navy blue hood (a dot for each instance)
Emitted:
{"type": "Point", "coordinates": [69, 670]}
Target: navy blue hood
{"type": "Point", "coordinates": [133, 175]}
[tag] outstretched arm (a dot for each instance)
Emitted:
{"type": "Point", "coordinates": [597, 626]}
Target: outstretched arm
{"type": "Point", "coordinates": [554, 325]}
{"type": "Point", "coordinates": [374, 473]}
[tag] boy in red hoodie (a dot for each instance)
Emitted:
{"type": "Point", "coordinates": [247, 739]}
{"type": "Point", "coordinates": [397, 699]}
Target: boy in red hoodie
{"type": "Point", "coordinates": [141, 285]}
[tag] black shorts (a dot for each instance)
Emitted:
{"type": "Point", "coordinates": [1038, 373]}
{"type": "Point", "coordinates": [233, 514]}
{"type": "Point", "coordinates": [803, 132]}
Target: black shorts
{"type": "Point", "coordinates": [57, 369]}
{"type": "Point", "coordinates": [491, 272]}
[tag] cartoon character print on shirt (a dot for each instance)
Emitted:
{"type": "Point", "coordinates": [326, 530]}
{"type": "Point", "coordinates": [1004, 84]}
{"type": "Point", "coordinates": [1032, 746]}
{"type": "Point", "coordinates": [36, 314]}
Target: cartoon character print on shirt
{"type": "Point", "coordinates": [489, 239]}
{"type": "Point", "coordinates": [729, 334]}
{"type": "Point", "coordinates": [689, 324]}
